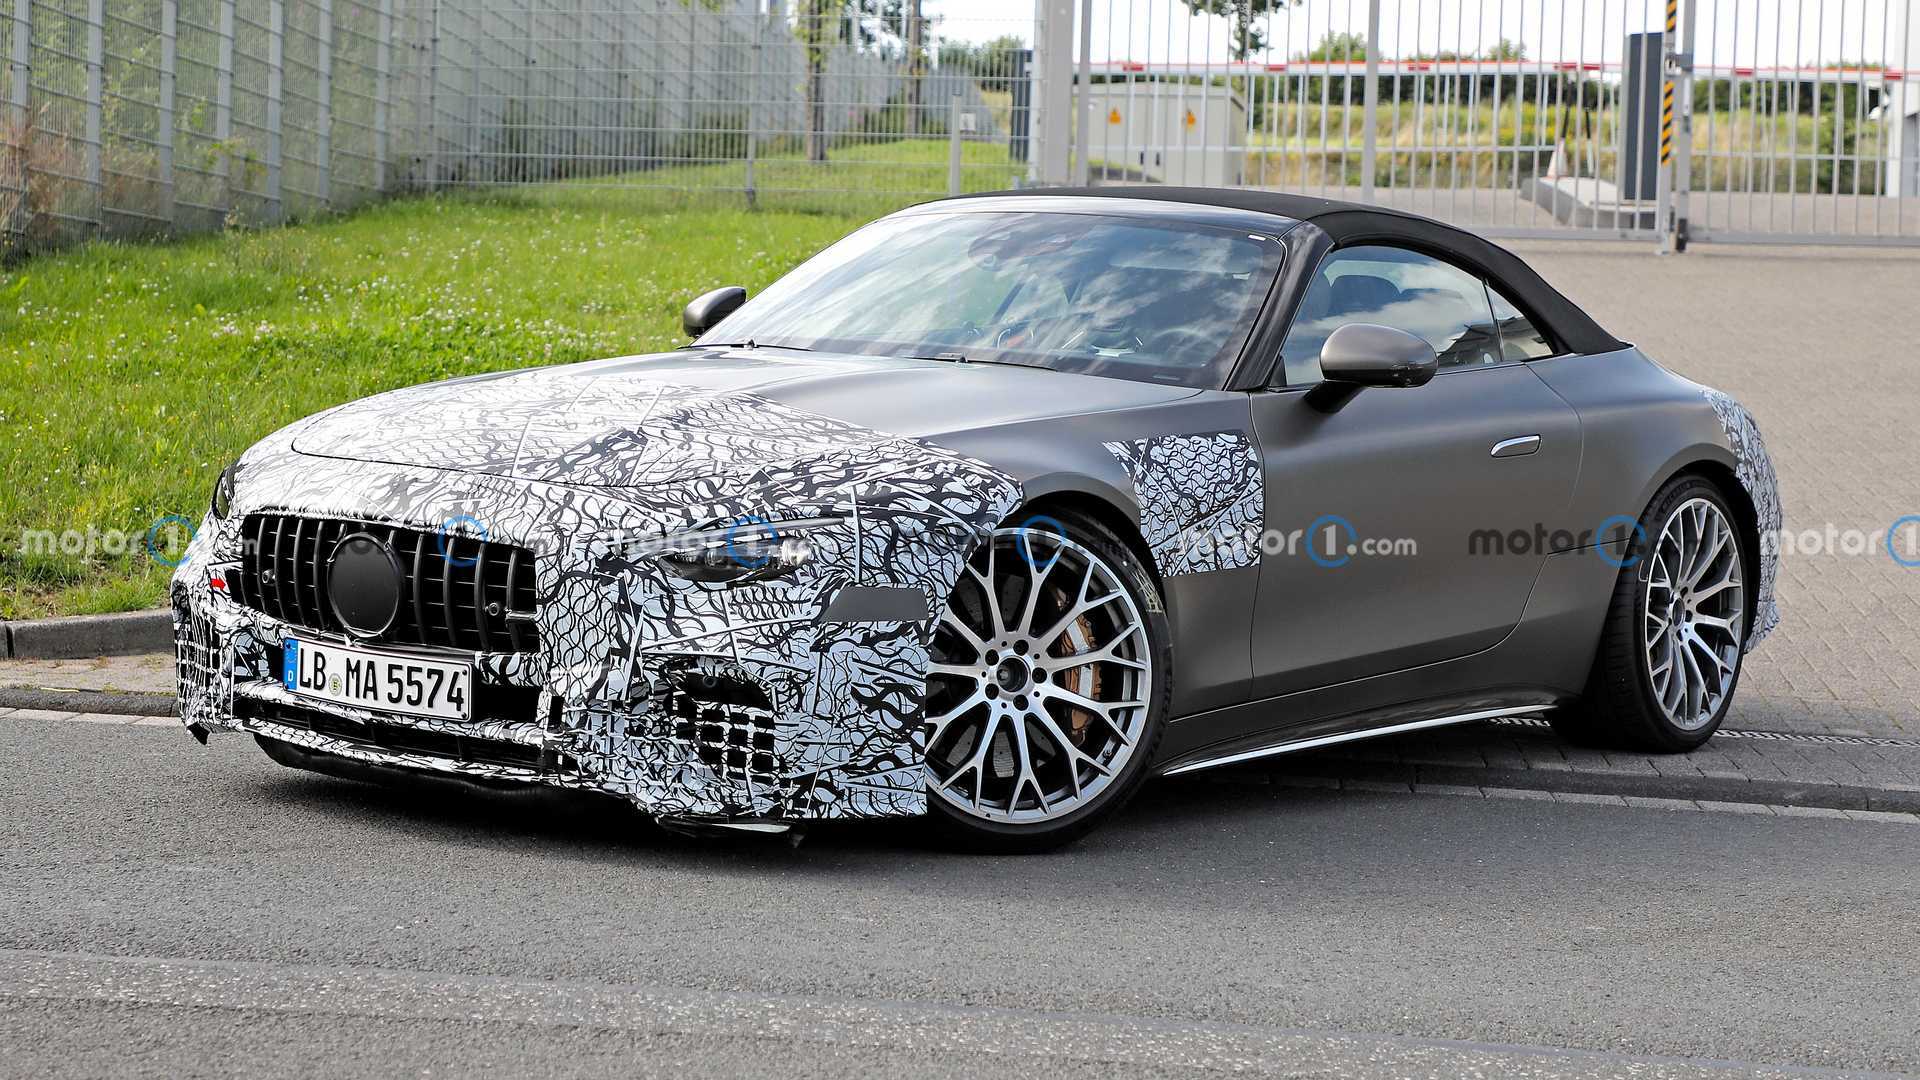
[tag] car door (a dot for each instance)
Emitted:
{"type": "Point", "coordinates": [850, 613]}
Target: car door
{"type": "Point", "coordinates": [1407, 526]}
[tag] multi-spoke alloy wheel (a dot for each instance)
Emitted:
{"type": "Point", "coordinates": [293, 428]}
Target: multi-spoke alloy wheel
{"type": "Point", "coordinates": [1042, 687]}
{"type": "Point", "coordinates": [1694, 612]}
{"type": "Point", "coordinates": [1670, 652]}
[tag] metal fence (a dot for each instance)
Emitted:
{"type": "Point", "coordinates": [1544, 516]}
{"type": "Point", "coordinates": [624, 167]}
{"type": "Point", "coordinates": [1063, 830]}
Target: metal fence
{"type": "Point", "coordinates": [1770, 120]}
{"type": "Point", "coordinates": [1794, 120]}
{"type": "Point", "coordinates": [134, 117]}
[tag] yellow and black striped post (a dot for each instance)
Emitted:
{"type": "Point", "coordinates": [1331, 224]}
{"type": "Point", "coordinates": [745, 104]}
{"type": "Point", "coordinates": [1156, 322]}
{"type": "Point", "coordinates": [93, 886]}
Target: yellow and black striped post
{"type": "Point", "coordinates": [1666, 87]}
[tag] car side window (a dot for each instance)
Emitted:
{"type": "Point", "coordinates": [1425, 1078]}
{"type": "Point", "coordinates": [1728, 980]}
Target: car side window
{"type": "Point", "coordinates": [1396, 287]}
{"type": "Point", "coordinates": [1519, 338]}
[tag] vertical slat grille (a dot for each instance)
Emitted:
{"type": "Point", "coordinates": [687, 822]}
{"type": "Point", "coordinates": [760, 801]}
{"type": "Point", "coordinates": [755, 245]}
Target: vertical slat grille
{"type": "Point", "coordinates": [477, 596]}
{"type": "Point", "coordinates": [513, 576]}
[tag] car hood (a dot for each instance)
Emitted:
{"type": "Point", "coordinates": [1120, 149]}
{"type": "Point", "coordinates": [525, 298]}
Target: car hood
{"type": "Point", "coordinates": [697, 413]}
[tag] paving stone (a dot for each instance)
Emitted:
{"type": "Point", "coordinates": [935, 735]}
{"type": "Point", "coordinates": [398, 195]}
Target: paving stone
{"type": "Point", "coordinates": [1585, 797]}
{"type": "Point", "coordinates": [1661, 804]}
{"type": "Point", "coordinates": [1517, 793]}
{"type": "Point", "coordinates": [1735, 807]}
{"type": "Point", "coordinates": [1447, 789]}
{"type": "Point", "coordinates": [40, 714]}
{"type": "Point", "coordinates": [1887, 816]}
{"type": "Point", "coordinates": [1811, 811]}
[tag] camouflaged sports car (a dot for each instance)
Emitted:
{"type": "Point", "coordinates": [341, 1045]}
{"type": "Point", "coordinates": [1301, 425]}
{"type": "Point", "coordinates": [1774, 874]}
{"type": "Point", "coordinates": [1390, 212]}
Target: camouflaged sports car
{"type": "Point", "coordinates": [991, 511]}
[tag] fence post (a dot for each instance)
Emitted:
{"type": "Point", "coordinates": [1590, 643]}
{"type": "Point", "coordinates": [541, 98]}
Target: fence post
{"type": "Point", "coordinates": [432, 71]}
{"type": "Point", "coordinates": [753, 98]}
{"type": "Point", "coordinates": [19, 98]}
{"type": "Point", "coordinates": [1370, 96]}
{"type": "Point", "coordinates": [323, 98]}
{"type": "Point", "coordinates": [953, 142]}
{"type": "Point", "coordinates": [1683, 105]}
{"type": "Point", "coordinates": [163, 133]}
{"type": "Point", "coordinates": [276, 76]}
{"type": "Point", "coordinates": [96, 93]}
{"type": "Point", "coordinates": [1053, 96]}
{"type": "Point", "coordinates": [382, 72]}
{"type": "Point", "coordinates": [1664, 174]}
{"type": "Point", "coordinates": [223, 109]}
{"type": "Point", "coordinates": [1083, 134]}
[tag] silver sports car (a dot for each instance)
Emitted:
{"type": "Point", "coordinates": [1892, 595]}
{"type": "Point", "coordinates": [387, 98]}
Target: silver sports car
{"type": "Point", "coordinates": [991, 511]}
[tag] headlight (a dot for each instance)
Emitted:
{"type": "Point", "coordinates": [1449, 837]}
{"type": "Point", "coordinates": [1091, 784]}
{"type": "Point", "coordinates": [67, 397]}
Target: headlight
{"type": "Point", "coordinates": [222, 503]}
{"type": "Point", "coordinates": [750, 550]}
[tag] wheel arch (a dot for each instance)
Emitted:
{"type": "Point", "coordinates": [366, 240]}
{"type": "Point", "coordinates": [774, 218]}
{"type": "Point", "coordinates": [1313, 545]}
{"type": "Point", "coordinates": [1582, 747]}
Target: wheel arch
{"type": "Point", "coordinates": [1108, 511]}
{"type": "Point", "coordinates": [1720, 474]}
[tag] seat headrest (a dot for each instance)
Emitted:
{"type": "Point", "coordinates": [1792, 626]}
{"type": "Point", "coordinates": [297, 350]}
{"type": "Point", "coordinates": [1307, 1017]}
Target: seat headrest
{"type": "Point", "coordinates": [1362, 292]}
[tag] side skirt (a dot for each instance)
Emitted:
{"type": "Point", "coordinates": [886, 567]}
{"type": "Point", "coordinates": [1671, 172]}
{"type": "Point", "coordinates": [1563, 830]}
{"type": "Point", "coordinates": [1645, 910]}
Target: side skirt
{"type": "Point", "coordinates": [1292, 745]}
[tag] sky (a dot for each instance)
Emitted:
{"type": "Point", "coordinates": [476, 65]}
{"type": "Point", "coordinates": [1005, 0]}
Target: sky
{"type": "Point", "coordinates": [1730, 32]}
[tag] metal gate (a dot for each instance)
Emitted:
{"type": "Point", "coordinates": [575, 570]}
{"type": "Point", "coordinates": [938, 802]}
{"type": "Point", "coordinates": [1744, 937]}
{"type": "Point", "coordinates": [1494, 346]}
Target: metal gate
{"type": "Point", "coordinates": [1727, 120]}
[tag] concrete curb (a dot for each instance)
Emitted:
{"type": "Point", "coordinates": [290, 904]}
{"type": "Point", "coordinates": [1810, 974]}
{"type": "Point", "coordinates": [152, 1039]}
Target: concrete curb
{"type": "Point", "coordinates": [81, 637]}
{"type": "Point", "coordinates": [1697, 788]}
{"type": "Point", "coordinates": [114, 703]}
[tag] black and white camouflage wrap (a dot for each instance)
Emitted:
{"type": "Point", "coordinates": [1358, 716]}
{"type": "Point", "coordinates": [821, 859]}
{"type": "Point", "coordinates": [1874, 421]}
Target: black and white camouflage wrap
{"type": "Point", "coordinates": [1202, 499]}
{"type": "Point", "coordinates": [1754, 470]}
{"type": "Point", "coordinates": [590, 482]}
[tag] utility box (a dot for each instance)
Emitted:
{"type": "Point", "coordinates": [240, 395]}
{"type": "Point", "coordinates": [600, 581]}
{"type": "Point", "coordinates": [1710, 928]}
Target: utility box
{"type": "Point", "coordinates": [1167, 133]}
{"type": "Point", "coordinates": [1643, 76]}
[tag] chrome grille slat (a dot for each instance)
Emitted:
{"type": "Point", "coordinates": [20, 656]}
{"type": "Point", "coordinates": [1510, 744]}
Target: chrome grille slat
{"type": "Point", "coordinates": [480, 591]}
{"type": "Point", "coordinates": [280, 577]}
{"type": "Point", "coordinates": [513, 571]}
{"type": "Point", "coordinates": [434, 602]}
{"type": "Point", "coordinates": [293, 574]}
{"type": "Point", "coordinates": [446, 589]}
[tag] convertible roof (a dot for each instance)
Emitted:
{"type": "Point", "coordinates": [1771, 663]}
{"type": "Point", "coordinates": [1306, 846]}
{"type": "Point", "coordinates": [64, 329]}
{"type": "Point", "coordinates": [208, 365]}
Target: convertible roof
{"type": "Point", "coordinates": [1353, 223]}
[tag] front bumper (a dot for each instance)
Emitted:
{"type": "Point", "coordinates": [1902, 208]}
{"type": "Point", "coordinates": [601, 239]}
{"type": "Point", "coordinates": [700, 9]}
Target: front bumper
{"type": "Point", "coordinates": [690, 701]}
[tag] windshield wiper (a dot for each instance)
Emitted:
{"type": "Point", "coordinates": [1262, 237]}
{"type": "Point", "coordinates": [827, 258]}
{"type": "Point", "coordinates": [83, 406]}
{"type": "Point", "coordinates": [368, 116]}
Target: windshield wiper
{"type": "Point", "coordinates": [948, 357]}
{"type": "Point", "coordinates": [749, 344]}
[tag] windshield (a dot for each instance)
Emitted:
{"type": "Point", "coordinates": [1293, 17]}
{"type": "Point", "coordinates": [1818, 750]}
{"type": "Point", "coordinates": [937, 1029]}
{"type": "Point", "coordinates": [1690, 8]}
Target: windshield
{"type": "Point", "coordinates": [1165, 302]}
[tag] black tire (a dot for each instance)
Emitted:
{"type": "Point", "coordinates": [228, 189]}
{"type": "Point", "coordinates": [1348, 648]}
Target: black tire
{"type": "Point", "coordinates": [1620, 708]}
{"type": "Point", "coordinates": [959, 829]}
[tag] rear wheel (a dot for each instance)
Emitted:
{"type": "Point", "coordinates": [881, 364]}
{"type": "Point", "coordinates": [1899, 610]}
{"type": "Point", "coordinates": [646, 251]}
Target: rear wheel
{"type": "Point", "coordinates": [1047, 689]}
{"type": "Point", "coordinates": [1670, 655]}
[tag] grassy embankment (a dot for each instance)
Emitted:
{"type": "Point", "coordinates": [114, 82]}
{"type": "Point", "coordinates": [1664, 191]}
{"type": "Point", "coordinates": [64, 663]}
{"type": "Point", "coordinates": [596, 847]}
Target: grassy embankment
{"type": "Point", "coordinates": [131, 374]}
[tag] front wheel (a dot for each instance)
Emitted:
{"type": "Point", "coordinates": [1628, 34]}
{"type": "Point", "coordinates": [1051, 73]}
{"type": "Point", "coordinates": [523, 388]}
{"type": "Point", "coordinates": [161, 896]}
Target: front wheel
{"type": "Point", "coordinates": [1048, 686]}
{"type": "Point", "coordinates": [1670, 654]}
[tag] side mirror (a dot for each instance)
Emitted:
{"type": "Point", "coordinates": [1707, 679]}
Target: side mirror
{"type": "Point", "coordinates": [1359, 355]}
{"type": "Point", "coordinates": [708, 309]}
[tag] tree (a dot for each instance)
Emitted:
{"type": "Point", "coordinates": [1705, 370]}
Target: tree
{"type": "Point", "coordinates": [815, 26]}
{"type": "Point", "coordinates": [990, 60]}
{"type": "Point", "coordinates": [916, 64]}
{"type": "Point", "coordinates": [1340, 45]}
{"type": "Point", "coordinates": [820, 24]}
{"type": "Point", "coordinates": [1247, 36]}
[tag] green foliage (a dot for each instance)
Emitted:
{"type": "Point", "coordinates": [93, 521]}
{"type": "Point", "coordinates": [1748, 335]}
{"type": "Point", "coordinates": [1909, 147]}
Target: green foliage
{"type": "Point", "coordinates": [131, 374]}
{"type": "Point", "coordinates": [988, 60]}
{"type": "Point", "coordinates": [1339, 45]}
{"type": "Point", "coordinates": [1245, 35]}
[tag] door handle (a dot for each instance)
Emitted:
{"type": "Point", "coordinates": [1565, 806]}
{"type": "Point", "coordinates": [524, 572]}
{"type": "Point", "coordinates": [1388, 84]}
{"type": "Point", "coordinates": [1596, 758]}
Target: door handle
{"type": "Point", "coordinates": [1516, 446]}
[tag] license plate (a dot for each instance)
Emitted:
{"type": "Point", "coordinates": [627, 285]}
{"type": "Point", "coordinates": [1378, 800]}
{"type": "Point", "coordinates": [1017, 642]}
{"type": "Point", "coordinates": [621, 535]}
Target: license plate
{"type": "Point", "coordinates": [383, 682]}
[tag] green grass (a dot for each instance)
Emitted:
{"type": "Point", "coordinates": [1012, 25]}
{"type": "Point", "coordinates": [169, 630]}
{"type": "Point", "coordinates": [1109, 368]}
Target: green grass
{"type": "Point", "coordinates": [1448, 145]}
{"type": "Point", "coordinates": [131, 374]}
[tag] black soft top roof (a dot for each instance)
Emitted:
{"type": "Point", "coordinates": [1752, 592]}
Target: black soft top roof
{"type": "Point", "coordinates": [1353, 223]}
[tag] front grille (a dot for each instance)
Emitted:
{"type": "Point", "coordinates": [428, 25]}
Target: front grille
{"type": "Point", "coordinates": [396, 738]}
{"type": "Point", "coordinates": [476, 595]}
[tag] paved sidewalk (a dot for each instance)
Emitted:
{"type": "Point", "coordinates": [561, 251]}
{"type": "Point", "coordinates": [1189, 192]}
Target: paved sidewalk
{"type": "Point", "coordinates": [1807, 339]}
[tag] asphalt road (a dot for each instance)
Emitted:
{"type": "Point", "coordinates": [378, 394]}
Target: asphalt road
{"type": "Point", "coordinates": [167, 909]}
